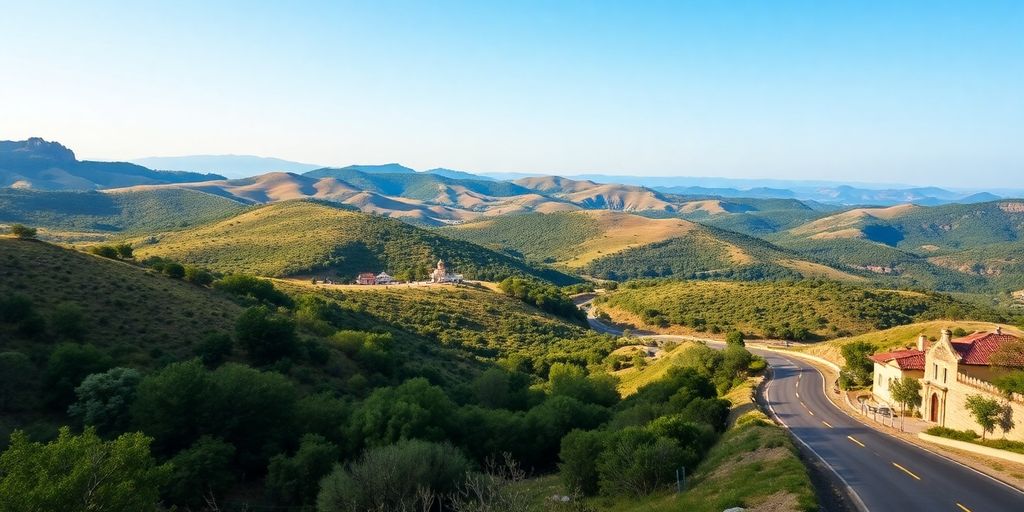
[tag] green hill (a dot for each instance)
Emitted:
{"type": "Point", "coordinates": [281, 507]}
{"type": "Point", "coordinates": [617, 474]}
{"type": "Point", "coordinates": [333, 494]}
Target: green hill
{"type": "Point", "coordinates": [319, 238]}
{"type": "Point", "coordinates": [122, 212]}
{"type": "Point", "coordinates": [792, 310]}
{"type": "Point", "coordinates": [619, 246]}
{"type": "Point", "coordinates": [141, 314]}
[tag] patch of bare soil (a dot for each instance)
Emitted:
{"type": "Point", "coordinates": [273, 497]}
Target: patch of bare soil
{"type": "Point", "coordinates": [781, 501]}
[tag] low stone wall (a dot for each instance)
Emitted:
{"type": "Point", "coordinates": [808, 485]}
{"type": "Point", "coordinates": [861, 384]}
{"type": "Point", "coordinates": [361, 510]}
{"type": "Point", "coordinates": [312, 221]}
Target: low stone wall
{"type": "Point", "coordinates": [973, 448]}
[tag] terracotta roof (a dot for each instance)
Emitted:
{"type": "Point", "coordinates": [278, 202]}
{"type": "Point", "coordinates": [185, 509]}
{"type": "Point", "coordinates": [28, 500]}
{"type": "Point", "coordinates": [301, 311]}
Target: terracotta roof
{"type": "Point", "coordinates": [909, 359]}
{"type": "Point", "coordinates": [977, 348]}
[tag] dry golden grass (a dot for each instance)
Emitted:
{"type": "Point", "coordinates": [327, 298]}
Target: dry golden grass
{"type": "Point", "coordinates": [620, 231]}
{"type": "Point", "coordinates": [844, 225]}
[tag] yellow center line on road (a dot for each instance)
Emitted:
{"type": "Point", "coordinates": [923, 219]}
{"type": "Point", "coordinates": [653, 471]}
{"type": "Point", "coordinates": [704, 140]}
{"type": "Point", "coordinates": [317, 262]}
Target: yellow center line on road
{"type": "Point", "coordinates": [965, 509]}
{"type": "Point", "coordinates": [798, 394]}
{"type": "Point", "coordinates": [810, 411]}
{"type": "Point", "coordinates": [859, 443]}
{"type": "Point", "coordinates": [826, 424]}
{"type": "Point", "coordinates": [907, 471]}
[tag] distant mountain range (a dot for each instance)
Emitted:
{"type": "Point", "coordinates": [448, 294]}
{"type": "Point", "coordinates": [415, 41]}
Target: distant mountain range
{"type": "Point", "coordinates": [831, 192]}
{"type": "Point", "coordinates": [38, 164]}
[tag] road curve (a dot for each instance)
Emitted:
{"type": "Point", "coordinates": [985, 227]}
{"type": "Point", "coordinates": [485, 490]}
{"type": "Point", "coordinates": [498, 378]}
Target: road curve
{"type": "Point", "coordinates": [885, 473]}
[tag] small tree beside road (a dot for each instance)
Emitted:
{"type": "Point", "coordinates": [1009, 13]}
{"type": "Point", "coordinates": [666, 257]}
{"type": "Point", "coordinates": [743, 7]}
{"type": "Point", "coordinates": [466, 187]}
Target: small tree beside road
{"type": "Point", "coordinates": [986, 412]}
{"type": "Point", "coordinates": [907, 393]}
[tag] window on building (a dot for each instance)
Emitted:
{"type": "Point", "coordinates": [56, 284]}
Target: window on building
{"type": "Point", "coordinates": [935, 371]}
{"type": "Point", "coordinates": [944, 375]}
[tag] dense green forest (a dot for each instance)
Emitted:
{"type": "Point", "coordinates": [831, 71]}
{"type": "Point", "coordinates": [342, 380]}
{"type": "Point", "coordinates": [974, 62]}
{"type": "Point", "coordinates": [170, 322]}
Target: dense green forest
{"type": "Point", "coordinates": [122, 212]}
{"type": "Point", "coordinates": [532, 236]}
{"type": "Point", "coordinates": [296, 396]}
{"type": "Point", "coordinates": [323, 239]}
{"type": "Point", "coordinates": [800, 310]}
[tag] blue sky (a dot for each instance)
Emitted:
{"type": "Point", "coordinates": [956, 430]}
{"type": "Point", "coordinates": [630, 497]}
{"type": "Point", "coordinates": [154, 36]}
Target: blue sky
{"type": "Point", "coordinates": [919, 92]}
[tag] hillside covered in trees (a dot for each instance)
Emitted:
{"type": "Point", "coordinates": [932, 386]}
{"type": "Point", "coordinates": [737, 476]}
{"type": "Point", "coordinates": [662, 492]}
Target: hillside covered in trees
{"type": "Point", "coordinates": [294, 395]}
{"type": "Point", "coordinates": [796, 310]}
{"type": "Point", "coordinates": [325, 239]}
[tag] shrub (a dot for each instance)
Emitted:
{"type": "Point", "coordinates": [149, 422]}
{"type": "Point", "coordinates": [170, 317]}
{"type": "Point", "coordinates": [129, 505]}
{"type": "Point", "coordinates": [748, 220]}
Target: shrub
{"type": "Point", "coordinates": [959, 435]}
{"type": "Point", "coordinates": [414, 410]}
{"type": "Point", "coordinates": [295, 480]}
{"type": "Point", "coordinates": [67, 366]}
{"type": "Point", "coordinates": [214, 349]}
{"type": "Point", "coordinates": [22, 231]}
{"type": "Point", "coordinates": [255, 288]}
{"type": "Point", "coordinates": [174, 270]}
{"type": "Point", "coordinates": [734, 338]}
{"type": "Point", "coordinates": [391, 477]}
{"type": "Point", "coordinates": [266, 336]}
{"type": "Point", "coordinates": [198, 276]}
{"type": "Point", "coordinates": [858, 368]}
{"type": "Point", "coordinates": [124, 251]}
{"type": "Point", "coordinates": [14, 308]}
{"type": "Point", "coordinates": [200, 472]}
{"type": "Point", "coordinates": [637, 462]}
{"type": "Point", "coordinates": [579, 453]}
{"type": "Point", "coordinates": [104, 399]}
{"type": "Point", "coordinates": [106, 251]}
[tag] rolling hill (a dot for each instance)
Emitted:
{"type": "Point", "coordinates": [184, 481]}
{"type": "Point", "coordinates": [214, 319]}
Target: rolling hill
{"type": "Point", "coordinates": [144, 313]}
{"type": "Point", "coordinates": [38, 164]}
{"type": "Point", "coordinates": [234, 166]}
{"type": "Point", "coordinates": [85, 214]}
{"type": "Point", "coordinates": [620, 245]}
{"type": "Point", "coordinates": [948, 247]}
{"type": "Point", "coordinates": [791, 310]}
{"type": "Point", "coordinates": [322, 238]}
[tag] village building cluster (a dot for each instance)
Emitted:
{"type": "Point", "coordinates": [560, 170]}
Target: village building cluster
{"type": "Point", "coordinates": [950, 370]}
{"type": "Point", "coordinates": [438, 275]}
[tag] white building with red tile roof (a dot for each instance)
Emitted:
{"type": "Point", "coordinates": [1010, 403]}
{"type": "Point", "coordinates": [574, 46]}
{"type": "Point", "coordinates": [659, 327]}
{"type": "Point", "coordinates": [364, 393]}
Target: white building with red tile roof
{"type": "Point", "coordinates": [893, 366]}
{"type": "Point", "coordinates": [957, 368]}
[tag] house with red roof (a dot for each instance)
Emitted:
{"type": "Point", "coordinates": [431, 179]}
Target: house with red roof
{"type": "Point", "coordinates": [957, 368]}
{"type": "Point", "coordinates": [893, 366]}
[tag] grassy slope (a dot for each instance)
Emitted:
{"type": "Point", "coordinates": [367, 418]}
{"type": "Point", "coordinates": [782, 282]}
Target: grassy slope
{"type": "Point", "coordinates": [306, 237]}
{"type": "Point", "coordinates": [904, 336]}
{"type": "Point", "coordinates": [620, 245]}
{"type": "Point", "coordinates": [142, 313]}
{"type": "Point", "coordinates": [754, 465]}
{"type": "Point", "coordinates": [124, 212]}
{"type": "Point", "coordinates": [824, 309]}
{"type": "Point", "coordinates": [632, 379]}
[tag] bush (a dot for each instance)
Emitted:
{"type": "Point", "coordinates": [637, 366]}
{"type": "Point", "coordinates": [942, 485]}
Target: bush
{"type": "Point", "coordinates": [267, 337]}
{"type": "Point", "coordinates": [858, 369]}
{"type": "Point", "coordinates": [414, 410]}
{"type": "Point", "coordinates": [104, 400]}
{"type": "Point", "coordinates": [579, 453]}
{"type": "Point", "coordinates": [571, 380]}
{"type": "Point", "coordinates": [214, 349]}
{"type": "Point", "coordinates": [199, 472]}
{"type": "Point", "coordinates": [174, 270]}
{"type": "Point", "coordinates": [106, 251]}
{"type": "Point", "coordinates": [22, 231]}
{"type": "Point", "coordinates": [735, 338]}
{"type": "Point", "coordinates": [255, 288]}
{"type": "Point", "coordinates": [637, 462]}
{"type": "Point", "coordinates": [15, 308]}
{"type": "Point", "coordinates": [80, 473]}
{"type": "Point", "coordinates": [949, 433]}
{"type": "Point", "coordinates": [68, 365]}
{"type": "Point", "coordinates": [124, 251]}
{"type": "Point", "coordinates": [295, 480]}
{"type": "Point", "coordinates": [198, 276]}
{"type": "Point", "coordinates": [391, 477]}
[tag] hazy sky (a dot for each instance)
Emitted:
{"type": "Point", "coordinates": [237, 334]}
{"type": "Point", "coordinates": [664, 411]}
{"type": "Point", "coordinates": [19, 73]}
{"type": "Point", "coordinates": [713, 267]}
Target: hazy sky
{"type": "Point", "coordinates": [921, 92]}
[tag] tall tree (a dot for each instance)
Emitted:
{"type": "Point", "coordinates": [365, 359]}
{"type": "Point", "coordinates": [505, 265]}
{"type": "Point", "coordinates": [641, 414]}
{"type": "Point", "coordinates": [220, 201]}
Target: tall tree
{"type": "Point", "coordinates": [907, 393]}
{"type": "Point", "coordinates": [986, 412]}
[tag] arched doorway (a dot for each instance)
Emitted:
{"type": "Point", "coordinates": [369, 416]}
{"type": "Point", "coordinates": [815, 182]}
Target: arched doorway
{"type": "Point", "coordinates": [934, 408]}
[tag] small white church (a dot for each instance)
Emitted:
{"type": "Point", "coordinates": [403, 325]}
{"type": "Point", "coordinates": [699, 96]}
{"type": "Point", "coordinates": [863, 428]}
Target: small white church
{"type": "Point", "coordinates": [441, 275]}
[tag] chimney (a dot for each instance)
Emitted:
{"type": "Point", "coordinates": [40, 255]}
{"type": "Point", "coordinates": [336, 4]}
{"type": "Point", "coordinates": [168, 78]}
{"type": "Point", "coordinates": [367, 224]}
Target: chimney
{"type": "Point", "coordinates": [999, 330]}
{"type": "Point", "coordinates": [922, 340]}
{"type": "Point", "coordinates": [947, 335]}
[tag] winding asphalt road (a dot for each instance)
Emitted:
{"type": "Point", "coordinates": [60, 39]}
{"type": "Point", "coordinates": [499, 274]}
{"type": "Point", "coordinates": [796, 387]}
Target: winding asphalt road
{"type": "Point", "coordinates": [883, 473]}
